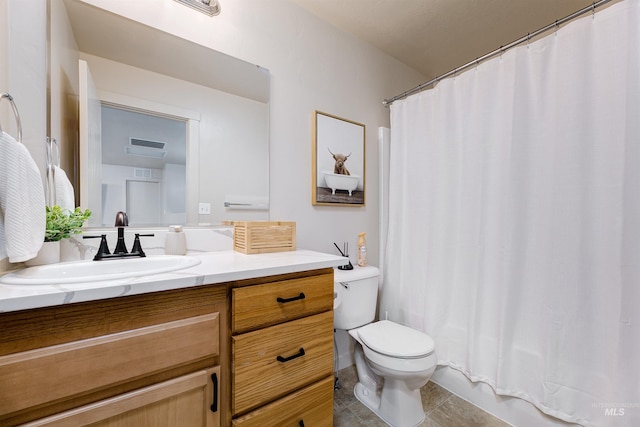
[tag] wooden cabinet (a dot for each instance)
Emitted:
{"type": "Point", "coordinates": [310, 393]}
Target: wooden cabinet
{"type": "Point", "coordinates": [282, 350]}
{"type": "Point", "coordinates": [151, 359]}
{"type": "Point", "coordinates": [175, 358]}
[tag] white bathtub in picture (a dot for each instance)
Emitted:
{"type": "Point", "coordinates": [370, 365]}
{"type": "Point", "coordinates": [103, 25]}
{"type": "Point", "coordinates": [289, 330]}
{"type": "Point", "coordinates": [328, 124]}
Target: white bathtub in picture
{"type": "Point", "coordinates": [341, 182]}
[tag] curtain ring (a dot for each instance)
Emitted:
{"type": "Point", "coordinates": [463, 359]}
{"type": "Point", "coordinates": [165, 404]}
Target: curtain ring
{"type": "Point", "coordinates": [593, 10]}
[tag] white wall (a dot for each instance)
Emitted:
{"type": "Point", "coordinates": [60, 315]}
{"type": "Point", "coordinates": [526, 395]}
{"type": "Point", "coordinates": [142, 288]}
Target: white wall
{"type": "Point", "coordinates": [23, 71]}
{"type": "Point", "coordinates": [23, 74]}
{"type": "Point", "coordinates": [313, 66]}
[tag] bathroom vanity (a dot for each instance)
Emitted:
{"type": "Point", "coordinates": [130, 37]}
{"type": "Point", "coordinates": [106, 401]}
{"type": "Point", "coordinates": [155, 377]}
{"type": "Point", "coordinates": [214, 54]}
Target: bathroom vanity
{"type": "Point", "coordinates": [242, 340]}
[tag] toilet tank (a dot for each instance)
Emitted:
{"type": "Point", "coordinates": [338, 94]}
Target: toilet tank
{"type": "Point", "coordinates": [357, 296]}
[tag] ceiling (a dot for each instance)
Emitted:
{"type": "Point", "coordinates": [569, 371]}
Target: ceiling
{"type": "Point", "coordinates": [437, 36]}
{"type": "Point", "coordinates": [102, 33]}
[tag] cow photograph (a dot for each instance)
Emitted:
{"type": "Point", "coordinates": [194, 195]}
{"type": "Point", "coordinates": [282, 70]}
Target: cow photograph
{"type": "Point", "coordinates": [338, 161]}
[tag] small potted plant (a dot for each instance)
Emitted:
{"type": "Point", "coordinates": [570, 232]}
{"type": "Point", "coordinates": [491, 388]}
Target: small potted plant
{"type": "Point", "coordinates": [61, 224]}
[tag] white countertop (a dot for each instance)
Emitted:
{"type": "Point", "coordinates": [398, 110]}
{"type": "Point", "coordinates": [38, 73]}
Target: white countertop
{"type": "Point", "coordinates": [215, 267]}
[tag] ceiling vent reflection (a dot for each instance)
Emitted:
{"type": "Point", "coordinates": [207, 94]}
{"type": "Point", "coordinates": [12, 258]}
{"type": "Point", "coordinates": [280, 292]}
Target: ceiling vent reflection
{"type": "Point", "coordinates": [209, 7]}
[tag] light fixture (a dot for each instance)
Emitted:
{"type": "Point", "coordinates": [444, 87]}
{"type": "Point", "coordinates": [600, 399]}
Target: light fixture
{"type": "Point", "coordinates": [210, 7]}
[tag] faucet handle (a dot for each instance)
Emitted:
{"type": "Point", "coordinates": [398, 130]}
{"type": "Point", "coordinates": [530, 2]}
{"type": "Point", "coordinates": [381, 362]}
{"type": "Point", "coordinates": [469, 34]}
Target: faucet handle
{"type": "Point", "coordinates": [121, 219]}
{"type": "Point", "coordinates": [104, 247]}
{"type": "Point", "coordinates": [137, 247]}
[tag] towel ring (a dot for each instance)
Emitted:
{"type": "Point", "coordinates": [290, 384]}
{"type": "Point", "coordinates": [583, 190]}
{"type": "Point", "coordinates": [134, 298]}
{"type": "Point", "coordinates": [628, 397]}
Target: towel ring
{"type": "Point", "coordinates": [15, 113]}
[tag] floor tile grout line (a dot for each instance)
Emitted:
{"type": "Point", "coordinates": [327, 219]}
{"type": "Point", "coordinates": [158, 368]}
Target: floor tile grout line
{"type": "Point", "coordinates": [439, 404]}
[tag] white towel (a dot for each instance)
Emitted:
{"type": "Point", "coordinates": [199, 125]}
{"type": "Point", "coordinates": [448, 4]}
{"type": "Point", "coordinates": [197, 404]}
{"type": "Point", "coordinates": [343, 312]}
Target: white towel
{"type": "Point", "coordinates": [22, 205]}
{"type": "Point", "coordinates": [64, 195]}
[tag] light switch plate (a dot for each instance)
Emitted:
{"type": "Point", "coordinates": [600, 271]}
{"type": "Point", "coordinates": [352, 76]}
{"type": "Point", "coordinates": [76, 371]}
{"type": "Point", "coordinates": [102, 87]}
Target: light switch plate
{"type": "Point", "coordinates": [204, 208]}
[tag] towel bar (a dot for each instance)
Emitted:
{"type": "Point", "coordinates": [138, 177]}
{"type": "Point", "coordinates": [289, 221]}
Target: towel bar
{"type": "Point", "coordinates": [15, 113]}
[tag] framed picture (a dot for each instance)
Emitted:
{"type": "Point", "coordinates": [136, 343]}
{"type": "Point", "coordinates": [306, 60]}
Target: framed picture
{"type": "Point", "coordinates": [338, 161]}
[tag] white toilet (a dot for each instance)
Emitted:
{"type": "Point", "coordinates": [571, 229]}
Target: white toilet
{"type": "Point", "coordinates": [393, 361]}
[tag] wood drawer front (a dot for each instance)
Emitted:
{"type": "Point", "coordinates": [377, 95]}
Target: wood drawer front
{"type": "Point", "coordinates": [177, 402]}
{"type": "Point", "coordinates": [258, 377]}
{"type": "Point", "coordinates": [63, 371]}
{"type": "Point", "coordinates": [313, 405]}
{"type": "Point", "coordinates": [257, 306]}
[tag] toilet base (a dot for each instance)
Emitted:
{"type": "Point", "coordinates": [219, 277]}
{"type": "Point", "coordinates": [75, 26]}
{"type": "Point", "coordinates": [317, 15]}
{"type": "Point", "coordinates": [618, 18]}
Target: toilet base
{"type": "Point", "coordinates": [389, 398]}
{"type": "Point", "coordinates": [394, 408]}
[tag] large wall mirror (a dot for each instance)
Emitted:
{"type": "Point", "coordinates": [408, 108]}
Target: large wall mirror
{"type": "Point", "coordinates": [170, 131]}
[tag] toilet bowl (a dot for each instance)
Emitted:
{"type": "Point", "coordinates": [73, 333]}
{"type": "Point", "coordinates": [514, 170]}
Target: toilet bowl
{"type": "Point", "coordinates": [393, 361]}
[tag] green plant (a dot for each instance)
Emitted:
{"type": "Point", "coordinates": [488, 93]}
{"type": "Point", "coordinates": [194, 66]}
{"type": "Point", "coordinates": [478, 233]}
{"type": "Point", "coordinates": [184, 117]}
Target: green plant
{"type": "Point", "coordinates": [62, 223]}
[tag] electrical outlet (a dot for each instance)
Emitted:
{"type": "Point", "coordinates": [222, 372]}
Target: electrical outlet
{"type": "Point", "coordinates": [204, 208]}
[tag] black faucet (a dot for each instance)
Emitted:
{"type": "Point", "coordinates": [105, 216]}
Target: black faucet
{"type": "Point", "coordinates": [122, 221]}
{"type": "Point", "coordinates": [121, 248]}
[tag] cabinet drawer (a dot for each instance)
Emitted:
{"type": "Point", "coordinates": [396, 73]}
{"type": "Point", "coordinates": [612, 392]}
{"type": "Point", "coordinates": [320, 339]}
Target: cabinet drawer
{"type": "Point", "coordinates": [69, 370]}
{"type": "Point", "coordinates": [257, 306]}
{"type": "Point", "coordinates": [272, 362]}
{"type": "Point", "coordinates": [313, 405]}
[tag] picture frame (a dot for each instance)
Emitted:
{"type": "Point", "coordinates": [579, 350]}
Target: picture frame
{"type": "Point", "coordinates": [338, 175]}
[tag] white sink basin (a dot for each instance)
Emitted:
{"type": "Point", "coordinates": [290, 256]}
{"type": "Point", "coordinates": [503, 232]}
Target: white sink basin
{"type": "Point", "coordinates": [91, 271]}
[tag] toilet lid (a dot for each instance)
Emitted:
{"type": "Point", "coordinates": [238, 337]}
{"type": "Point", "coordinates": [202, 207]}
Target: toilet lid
{"type": "Point", "coordinates": [393, 339]}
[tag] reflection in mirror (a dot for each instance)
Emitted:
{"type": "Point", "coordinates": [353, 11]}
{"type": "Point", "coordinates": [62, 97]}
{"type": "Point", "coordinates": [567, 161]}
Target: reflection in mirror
{"type": "Point", "coordinates": [144, 159]}
{"type": "Point", "coordinates": [222, 101]}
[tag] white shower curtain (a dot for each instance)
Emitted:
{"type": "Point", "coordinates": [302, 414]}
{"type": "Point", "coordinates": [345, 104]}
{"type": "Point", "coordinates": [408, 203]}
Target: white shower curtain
{"type": "Point", "coordinates": [514, 220]}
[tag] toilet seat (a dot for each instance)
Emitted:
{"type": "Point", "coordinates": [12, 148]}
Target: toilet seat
{"type": "Point", "coordinates": [394, 340]}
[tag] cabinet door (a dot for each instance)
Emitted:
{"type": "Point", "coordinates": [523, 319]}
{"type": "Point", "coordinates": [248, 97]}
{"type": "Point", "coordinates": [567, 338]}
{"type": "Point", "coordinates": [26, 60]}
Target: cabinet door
{"type": "Point", "coordinates": [77, 368]}
{"type": "Point", "coordinates": [190, 400]}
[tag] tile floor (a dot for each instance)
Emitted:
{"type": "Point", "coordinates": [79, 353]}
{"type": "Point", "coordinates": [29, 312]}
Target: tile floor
{"type": "Point", "coordinates": [442, 408]}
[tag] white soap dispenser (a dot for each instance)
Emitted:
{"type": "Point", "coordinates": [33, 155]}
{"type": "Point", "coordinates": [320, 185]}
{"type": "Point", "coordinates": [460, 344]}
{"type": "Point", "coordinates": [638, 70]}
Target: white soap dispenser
{"type": "Point", "coordinates": [175, 242]}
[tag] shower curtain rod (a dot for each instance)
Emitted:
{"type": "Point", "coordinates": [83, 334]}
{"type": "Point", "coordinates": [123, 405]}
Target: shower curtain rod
{"type": "Point", "coordinates": [498, 51]}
